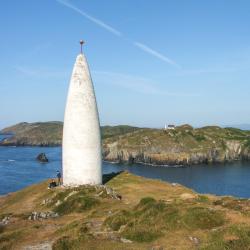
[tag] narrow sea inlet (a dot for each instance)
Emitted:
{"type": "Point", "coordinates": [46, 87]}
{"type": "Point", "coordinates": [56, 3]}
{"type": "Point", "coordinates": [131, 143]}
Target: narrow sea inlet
{"type": "Point", "coordinates": [19, 168]}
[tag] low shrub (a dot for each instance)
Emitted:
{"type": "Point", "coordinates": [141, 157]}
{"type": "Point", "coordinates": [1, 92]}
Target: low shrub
{"type": "Point", "coordinates": [76, 203]}
{"type": "Point", "coordinates": [63, 243]}
{"type": "Point", "coordinates": [146, 222]}
{"type": "Point", "coordinates": [202, 198]}
{"type": "Point", "coordinates": [1, 229]}
{"type": "Point", "coordinates": [240, 239]}
{"type": "Point", "coordinates": [203, 218]}
{"type": "Point", "coordinates": [116, 221]}
{"type": "Point", "coordinates": [141, 234]}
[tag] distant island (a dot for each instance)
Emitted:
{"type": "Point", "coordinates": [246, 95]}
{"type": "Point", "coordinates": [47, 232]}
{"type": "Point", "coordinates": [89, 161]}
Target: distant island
{"type": "Point", "coordinates": [182, 145]}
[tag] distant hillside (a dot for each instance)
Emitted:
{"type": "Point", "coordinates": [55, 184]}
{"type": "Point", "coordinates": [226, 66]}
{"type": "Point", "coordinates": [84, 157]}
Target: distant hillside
{"type": "Point", "coordinates": [109, 131]}
{"type": "Point", "coordinates": [50, 133]}
{"type": "Point", "coordinates": [241, 126]}
{"type": "Point", "coordinates": [183, 145]}
{"type": "Point", "coordinates": [35, 134]}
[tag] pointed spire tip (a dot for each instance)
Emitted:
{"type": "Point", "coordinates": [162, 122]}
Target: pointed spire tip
{"type": "Point", "coordinates": [81, 43]}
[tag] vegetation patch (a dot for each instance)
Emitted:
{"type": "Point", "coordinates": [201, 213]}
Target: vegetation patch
{"type": "Point", "coordinates": [76, 203]}
{"type": "Point", "coordinates": [203, 218]}
{"type": "Point", "coordinates": [1, 229]}
{"type": "Point", "coordinates": [202, 198]}
{"type": "Point", "coordinates": [234, 204]}
{"type": "Point", "coordinates": [79, 235]}
{"type": "Point", "coordinates": [63, 243]}
{"type": "Point", "coordinates": [141, 234]}
{"type": "Point", "coordinates": [8, 239]}
{"type": "Point", "coordinates": [150, 219]}
{"type": "Point", "coordinates": [120, 219]}
{"type": "Point", "coordinates": [232, 238]}
{"type": "Point", "coordinates": [146, 222]}
{"type": "Point", "coordinates": [199, 137]}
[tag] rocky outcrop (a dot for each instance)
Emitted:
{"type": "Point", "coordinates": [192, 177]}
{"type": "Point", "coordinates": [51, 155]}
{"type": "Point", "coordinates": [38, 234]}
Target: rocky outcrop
{"type": "Point", "coordinates": [177, 158]}
{"type": "Point", "coordinates": [42, 215]}
{"type": "Point", "coordinates": [42, 158]}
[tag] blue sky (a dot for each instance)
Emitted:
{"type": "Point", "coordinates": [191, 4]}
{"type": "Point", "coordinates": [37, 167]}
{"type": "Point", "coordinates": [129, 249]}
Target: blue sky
{"type": "Point", "coordinates": [152, 62]}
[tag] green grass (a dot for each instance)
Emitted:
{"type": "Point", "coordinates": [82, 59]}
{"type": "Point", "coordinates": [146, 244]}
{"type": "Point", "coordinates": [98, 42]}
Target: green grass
{"type": "Point", "coordinates": [199, 137]}
{"type": "Point", "coordinates": [74, 241]}
{"type": "Point", "coordinates": [247, 143]}
{"type": "Point", "coordinates": [149, 219]}
{"type": "Point", "coordinates": [203, 218]}
{"type": "Point", "coordinates": [144, 223]}
{"type": "Point", "coordinates": [202, 198]}
{"type": "Point", "coordinates": [2, 229]}
{"type": "Point", "coordinates": [76, 203]}
{"type": "Point", "coordinates": [240, 239]}
{"type": "Point", "coordinates": [142, 234]}
{"type": "Point", "coordinates": [9, 238]}
{"type": "Point", "coordinates": [109, 131]}
{"type": "Point", "coordinates": [64, 243]}
{"type": "Point", "coordinates": [76, 199]}
{"type": "Point", "coordinates": [232, 203]}
{"type": "Point", "coordinates": [121, 218]}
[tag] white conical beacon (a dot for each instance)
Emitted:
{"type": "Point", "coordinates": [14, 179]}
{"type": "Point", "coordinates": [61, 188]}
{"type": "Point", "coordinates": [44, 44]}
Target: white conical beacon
{"type": "Point", "coordinates": [82, 161]}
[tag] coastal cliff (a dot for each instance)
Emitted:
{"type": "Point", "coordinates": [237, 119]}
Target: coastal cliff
{"type": "Point", "coordinates": [183, 145]}
{"type": "Point", "coordinates": [125, 144]}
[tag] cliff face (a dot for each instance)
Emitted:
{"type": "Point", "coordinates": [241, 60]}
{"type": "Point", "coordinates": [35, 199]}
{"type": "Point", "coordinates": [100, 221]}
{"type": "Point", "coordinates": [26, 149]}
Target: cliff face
{"type": "Point", "coordinates": [180, 146]}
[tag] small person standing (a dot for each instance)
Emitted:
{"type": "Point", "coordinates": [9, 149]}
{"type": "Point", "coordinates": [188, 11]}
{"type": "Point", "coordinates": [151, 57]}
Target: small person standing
{"type": "Point", "coordinates": [59, 176]}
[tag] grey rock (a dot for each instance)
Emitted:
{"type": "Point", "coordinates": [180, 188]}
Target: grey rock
{"type": "Point", "coordinates": [5, 220]}
{"type": "Point", "coordinates": [42, 246]}
{"type": "Point", "coordinates": [58, 203]}
{"type": "Point", "coordinates": [123, 240]}
{"type": "Point", "coordinates": [46, 201]}
{"type": "Point", "coordinates": [42, 158]}
{"type": "Point", "coordinates": [194, 240]}
{"type": "Point", "coordinates": [42, 215]}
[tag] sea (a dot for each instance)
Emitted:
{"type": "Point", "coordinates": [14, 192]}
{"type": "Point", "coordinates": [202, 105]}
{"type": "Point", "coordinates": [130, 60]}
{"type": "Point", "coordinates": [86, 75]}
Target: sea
{"type": "Point", "coordinates": [19, 168]}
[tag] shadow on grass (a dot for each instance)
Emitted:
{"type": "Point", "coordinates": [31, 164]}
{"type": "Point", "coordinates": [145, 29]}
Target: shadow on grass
{"type": "Point", "coordinates": [107, 177]}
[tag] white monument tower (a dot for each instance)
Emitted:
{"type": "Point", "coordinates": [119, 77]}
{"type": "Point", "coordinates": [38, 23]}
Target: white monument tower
{"type": "Point", "coordinates": [82, 161]}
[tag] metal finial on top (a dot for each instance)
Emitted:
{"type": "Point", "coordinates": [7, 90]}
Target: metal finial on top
{"type": "Point", "coordinates": [81, 43]}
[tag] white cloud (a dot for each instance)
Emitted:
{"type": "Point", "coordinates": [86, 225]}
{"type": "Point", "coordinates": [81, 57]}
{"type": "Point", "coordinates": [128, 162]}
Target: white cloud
{"type": "Point", "coordinates": [118, 33]}
{"type": "Point", "coordinates": [44, 73]}
{"type": "Point", "coordinates": [156, 54]}
{"type": "Point", "coordinates": [91, 18]}
{"type": "Point", "coordinates": [135, 84]}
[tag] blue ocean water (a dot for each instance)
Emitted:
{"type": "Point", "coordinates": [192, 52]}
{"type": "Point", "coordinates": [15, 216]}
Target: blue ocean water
{"type": "Point", "coordinates": [19, 168]}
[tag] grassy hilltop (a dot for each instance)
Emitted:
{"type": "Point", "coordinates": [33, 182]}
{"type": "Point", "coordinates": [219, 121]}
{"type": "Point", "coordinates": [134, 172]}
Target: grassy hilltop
{"type": "Point", "coordinates": [50, 133]}
{"type": "Point", "coordinates": [126, 144]}
{"type": "Point", "coordinates": [150, 215]}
